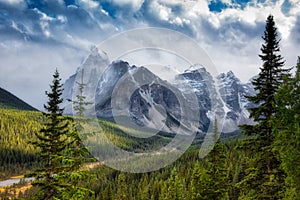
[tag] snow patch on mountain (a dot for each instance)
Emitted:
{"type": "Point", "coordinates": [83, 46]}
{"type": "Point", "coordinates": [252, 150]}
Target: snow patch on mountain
{"type": "Point", "coordinates": [154, 103]}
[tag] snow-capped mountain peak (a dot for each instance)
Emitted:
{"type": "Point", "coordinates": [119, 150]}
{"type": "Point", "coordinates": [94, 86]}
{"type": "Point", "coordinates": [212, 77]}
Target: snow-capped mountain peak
{"type": "Point", "coordinates": [223, 96]}
{"type": "Point", "coordinates": [228, 77]}
{"type": "Point", "coordinates": [196, 67]}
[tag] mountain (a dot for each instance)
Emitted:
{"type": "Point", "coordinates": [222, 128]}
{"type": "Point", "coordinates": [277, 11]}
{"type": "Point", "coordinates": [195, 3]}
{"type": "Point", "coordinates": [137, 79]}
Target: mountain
{"type": "Point", "coordinates": [203, 85]}
{"type": "Point", "coordinates": [233, 93]}
{"type": "Point", "coordinates": [137, 97]}
{"type": "Point", "coordinates": [87, 72]}
{"type": "Point", "coordinates": [8, 100]}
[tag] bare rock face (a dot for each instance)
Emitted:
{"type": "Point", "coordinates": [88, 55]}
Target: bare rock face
{"type": "Point", "coordinates": [121, 89]}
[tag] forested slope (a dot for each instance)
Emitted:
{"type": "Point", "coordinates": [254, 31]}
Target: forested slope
{"type": "Point", "coordinates": [8, 100]}
{"type": "Point", "coordinates": [18, 128]}
{"type": "Point", "coordinates": [16, 131]}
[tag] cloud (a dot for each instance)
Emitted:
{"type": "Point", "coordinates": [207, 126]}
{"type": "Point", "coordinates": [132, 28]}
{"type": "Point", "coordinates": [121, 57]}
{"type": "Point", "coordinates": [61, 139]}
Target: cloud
{"type": "Point", "coordinates": [229, 30]}
{"type": "Point", "coordinates": [295, 33]}
{"type": "Point", "coordinates": [135, 5]}
{"type": "Point", "coordinates": [88, 4]}
{"type": "Point", "coordinates": [27, 68]}
{"type": "Point", "coordinates": [12, 2]}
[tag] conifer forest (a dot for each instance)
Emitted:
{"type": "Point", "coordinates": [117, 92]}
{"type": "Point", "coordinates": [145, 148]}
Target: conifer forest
{"type": "Point", "coordinates": [259, 162]}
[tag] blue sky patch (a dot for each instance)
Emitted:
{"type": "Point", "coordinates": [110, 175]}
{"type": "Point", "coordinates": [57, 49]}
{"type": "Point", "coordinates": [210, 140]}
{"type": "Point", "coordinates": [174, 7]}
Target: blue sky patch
{"type": "Point", "coordinates": [286, 7]}
{"type": "Point", "coordinates": [217, 6]}
{"type": "Point", "coordinates": [69, 2]}
{"type": "Point", "coordinates": [111, 10]}
{"type": "Point", "coordinates": [242, 3]}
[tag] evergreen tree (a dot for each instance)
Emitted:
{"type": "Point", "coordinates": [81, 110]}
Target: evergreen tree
{"type": "Point", "coordinates": [211, 182]}
{"type": "Point", "coordinates": [144, 190]}
{"type": "Point", "coordinates": [264, 176]}
{"type": "Point", "coordinates": [199, 183]}
{"type": "Point", "coordinates": [122, 190]}
{"type": "Point", "coordinates": [174, 187]}
{"type": "Point", "coordinates": [79, 105]}
{"type": "Point", "coordinates": [217, 167]}
{"type": "Point", "coordinates": [77, 153]}
{"type": "Point", "coordinates": [266, 84]}
{"type": "Point", "coordinates": [52, 142]}
{"type": "Point", "coordinates": [286, 125]}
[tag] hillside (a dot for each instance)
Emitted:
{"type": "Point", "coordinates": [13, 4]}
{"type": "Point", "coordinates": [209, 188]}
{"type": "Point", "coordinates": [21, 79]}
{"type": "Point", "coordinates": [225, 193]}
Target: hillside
{"type": "Point", "coordinates": [8, 100]}
{"type": "Point", "coordinates": [18, 128]}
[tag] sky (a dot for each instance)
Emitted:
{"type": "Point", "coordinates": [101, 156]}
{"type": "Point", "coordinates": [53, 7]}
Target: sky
{"type": "Point", "coordinates": [37, 36]}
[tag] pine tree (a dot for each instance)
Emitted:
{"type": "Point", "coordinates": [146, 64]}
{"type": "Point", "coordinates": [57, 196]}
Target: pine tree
{"type": "Point", "coordinates": [210, 181]}
{"type": "Point", "coordinates": [52, 143]}
{"type": "Point", "coordinates": [264, 176]}
{"type": "Point", "coordinates": [77, 153]}
{"type": "Point", "coordinates": [122, 190]}
{"type": "Point", "coordinates": [267, 83]}
{"type": "Point", "coordinates": [79, 105]}
{"type": "Point", "coordinates": [217, 167]}
{"type": "Point", "coordinates": [174, 187]}
{"type": "Point", "coordinates": [286, 125]}
{"type": "Point", "coordinates": [199, 183]}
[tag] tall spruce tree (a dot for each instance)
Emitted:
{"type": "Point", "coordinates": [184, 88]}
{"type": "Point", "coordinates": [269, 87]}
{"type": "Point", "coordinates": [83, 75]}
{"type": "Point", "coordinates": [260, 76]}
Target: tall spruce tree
{"type": "Point", "coordinates": [52, 141]}
{"type": "Point", "coordinates": [267, 83]}
{"type": "Point", "coordinates": [263, 178]}
{"type": "Point", "coordinates": [286, 125]}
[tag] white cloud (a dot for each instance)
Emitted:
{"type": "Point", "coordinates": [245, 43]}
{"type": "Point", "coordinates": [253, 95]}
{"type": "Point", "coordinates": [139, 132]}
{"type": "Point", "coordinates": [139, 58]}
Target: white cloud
{"type": "Point", "coordinates": [228, 2]}
{"type": "Point", "coordinates": [134, 4]}
{"type": "Point", "coordinates": [27, 68]}
{"type": "Point", "coordinates": [232, 37]}
{"type": "Point", "coordinates": [104, 12]}
{"type": "Point", "coordinates": [12, 1]}
{"type": "Point", "coordinates": [160, 11]}
{"type": "Point", "coordinates": [16, 4]}
{"type": "Point", "coordinates": [197, 8]}
{"type": "Point", "coordinates": [88, 3]}
{"type": "Point", "coordinates": [295, 7]}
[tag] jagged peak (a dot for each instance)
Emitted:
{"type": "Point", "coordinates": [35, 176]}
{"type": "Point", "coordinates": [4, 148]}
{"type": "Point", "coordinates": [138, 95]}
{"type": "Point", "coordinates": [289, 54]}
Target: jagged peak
{"type": "Point", "coordinates": [221, 76]}
{"type": "Point", "coordinates": [196, 67]}
{"type": "Point", "coordinates": [95, 52]}
{"type": "Point", "coordinates": [230, 73]}
{"type": "Point", "coordinates": [228, 76]}
{"type": "Point", "coordinates": [116, 62]}
{"type": "Point", "coordinates": [95, 56]}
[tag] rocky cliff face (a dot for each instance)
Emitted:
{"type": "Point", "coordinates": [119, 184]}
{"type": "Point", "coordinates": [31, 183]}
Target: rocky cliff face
{"type": "Point", "coordinates": [87, 73]}
{"type": "Point", "coordinates": [124, 90]}
{"type": "Point", "coordinates": [233, 93]}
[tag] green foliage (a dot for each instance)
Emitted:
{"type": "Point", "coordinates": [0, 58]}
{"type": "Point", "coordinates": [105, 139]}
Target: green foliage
{"type": "Point", "coordinates": [211, 181]}
{"type": "Point", "coordinates": [52, 142]}
{"type": "Point", "coordinates": [286, 125]}
{"type": "Point", "coordinates": [122, 188]}
{"type": "Point", "coordinates": [8, 100]}
{"type": "Point", "coordinates": [267, 83]}
{"type": "Point", "coordinates": [77, 154]}
{"type": "Point", "coordinates": [264, 165]}
{"type": "Point", "coordinates": [200, 182]}
{"type": "Point", "coordinates": [264, 177]}
{"type": "Point", "coordinates": [173, 187]}
{"type": "Point", "coordinates": [17, 129]}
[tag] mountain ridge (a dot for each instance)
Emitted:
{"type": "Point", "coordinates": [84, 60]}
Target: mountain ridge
{"type": "Point", "coordinates": [9, 100]}
{"type": "Point", "coordinates": [221, 96]}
